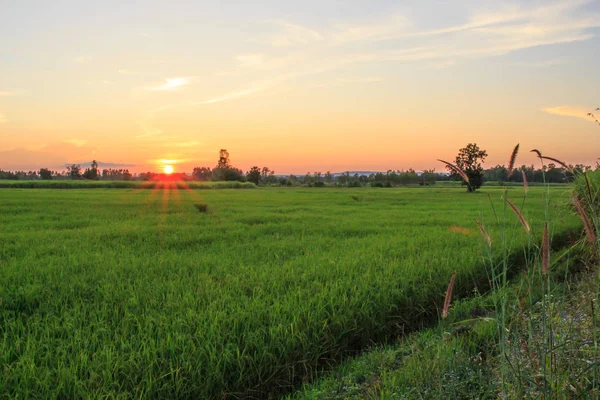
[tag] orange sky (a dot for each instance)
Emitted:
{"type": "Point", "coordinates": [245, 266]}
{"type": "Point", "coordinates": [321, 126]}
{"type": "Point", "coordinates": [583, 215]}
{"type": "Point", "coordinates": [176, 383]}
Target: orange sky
{"type": "Point", "coordinates": [321, 86]}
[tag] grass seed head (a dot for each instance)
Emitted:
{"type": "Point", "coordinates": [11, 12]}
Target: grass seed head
{"type": "Point", "coordinates": [519, 214]}
{"type": "Point", "coordinates": [484, 233]}
{"type": "Point", "coordinates": [513, 158]}
{"type": "Point", "coordinates": [587, 224]}
{"type": "Point", "coordinates": [459, 171]}
{"type": "Point", "coordinates": [448, 298]}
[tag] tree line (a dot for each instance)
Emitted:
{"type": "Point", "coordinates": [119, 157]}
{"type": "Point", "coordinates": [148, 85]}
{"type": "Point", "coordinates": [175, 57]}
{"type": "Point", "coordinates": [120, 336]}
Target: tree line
{"type": "Point", "coordinates": [469, 159]}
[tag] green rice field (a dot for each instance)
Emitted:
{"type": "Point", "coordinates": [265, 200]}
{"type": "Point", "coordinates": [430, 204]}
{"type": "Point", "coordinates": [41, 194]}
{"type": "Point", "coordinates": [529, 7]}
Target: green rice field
{"type": "Point", "coordinates": [169, 293]}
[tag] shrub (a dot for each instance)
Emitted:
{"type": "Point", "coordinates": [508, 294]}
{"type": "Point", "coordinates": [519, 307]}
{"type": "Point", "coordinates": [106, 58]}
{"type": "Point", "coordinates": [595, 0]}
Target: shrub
{"type": "Point", "coordinates": [201, 207]}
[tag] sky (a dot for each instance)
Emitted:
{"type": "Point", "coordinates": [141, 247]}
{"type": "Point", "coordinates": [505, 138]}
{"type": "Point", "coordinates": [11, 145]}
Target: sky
{"type": "Point", "coordinates": [299, 87]}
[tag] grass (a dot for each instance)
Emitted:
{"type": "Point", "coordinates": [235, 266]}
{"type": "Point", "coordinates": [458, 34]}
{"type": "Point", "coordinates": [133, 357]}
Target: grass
{"type": "Point", "coordinates": [137, 294]}
{"type": "Point", "coordinates": [460, 357]}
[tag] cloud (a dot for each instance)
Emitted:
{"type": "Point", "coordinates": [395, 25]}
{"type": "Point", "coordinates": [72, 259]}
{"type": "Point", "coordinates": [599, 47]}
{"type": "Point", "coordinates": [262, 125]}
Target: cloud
{"type": "Point", "coordinates": [293, 35]}
{"type": "Point", "coordinates": [540, 64]}
{"type": "Point", "coordinates": [571, 111]}
{"type": "Point", "coordinates": [385, 28]}
{"type": "Point", "coordinates": [76, 142]}
{"type": "Point", "coordinates": [298, 51]}
{"type": "Point", "coordinates": [171, 84]}
{"type": "Point", "coordinates": [82, 59]}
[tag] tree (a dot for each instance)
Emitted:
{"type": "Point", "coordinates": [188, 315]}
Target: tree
{"type": "Point", "coordinates": [254, 175]}
{"type": "Point", "coordinates": [74, 171]}
{"type": "Point", "coordinates": [202, 173]}
{"type": "Point", "coordinates": [428, 177]}
{"type": "Point", "coordinates": [92, 173]}
{"type": "Point", "coordinates": [469, 160]}
{"type": "Point", "coordinates": [45, 174]}
{"type": "Point", "coordinates": [223, 159]}
{"type": "Point", "coordinates": [224, 171]}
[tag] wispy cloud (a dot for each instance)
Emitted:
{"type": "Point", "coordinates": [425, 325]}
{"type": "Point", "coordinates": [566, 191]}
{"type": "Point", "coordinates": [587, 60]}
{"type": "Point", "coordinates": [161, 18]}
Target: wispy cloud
{"type": "Point", "coordinates": [295, 51]}
{"type": "Point", "coordinates": [3, 119]}
{"type": "Point", "coordinates": [171, 84]}
{"type": "Point", "coordinates": [540, 64]}
{"type": "Point", "coordinates": [293, 34]}
{"type": "Point", "coordinates": [82, 59]}
{"type": "Point", "coordinates": [571, 111]}
{"type": "Point", "coordinates": [389, 27]}
{"type": "Point", "coordinates": [76, 142]}
{"type": "Point", "coordinates": [147, 124]}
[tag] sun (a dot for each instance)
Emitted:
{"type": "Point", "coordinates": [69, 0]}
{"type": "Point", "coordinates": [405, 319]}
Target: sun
{"type": "Point", "coordinates": [168, 169]}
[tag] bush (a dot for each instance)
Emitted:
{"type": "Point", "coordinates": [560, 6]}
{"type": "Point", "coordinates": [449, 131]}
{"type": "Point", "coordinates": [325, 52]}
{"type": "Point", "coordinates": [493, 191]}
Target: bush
{"type": "Point", "coordinates": [319, 184]}
{"type": "Point", "coordinates": [201, 207]}
{"type": "Point", "coordinates": [354, 184]}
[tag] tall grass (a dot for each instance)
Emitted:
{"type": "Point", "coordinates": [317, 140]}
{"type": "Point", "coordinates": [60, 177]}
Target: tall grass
{"type": "Point", "coordinates": [545, 377]}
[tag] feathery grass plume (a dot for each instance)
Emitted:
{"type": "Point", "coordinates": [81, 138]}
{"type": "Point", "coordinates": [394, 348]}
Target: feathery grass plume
{"type": "Point", "coordinates": [565, 166]}
{"type": "Point", "coordinates": [513, 158]}
{"type": "Point", "coordinates": [448, 298]}
{"type": "Point", "coordinates": [545, 250]}
{"type": "Point", "coordinates": [520, 215]}
{"type": "Point", "coordinates": [525, 184]}
{"type": "Point", "coordinates": [587, 224]}
{"type": "Point", "coordinates": [484, 233]}
{"type": "Point", "coordinates": [537, 152]}
{"type": "Point", "coordinates": [594, 117]}
{"type": "Point", "coordinates": [459, 171]}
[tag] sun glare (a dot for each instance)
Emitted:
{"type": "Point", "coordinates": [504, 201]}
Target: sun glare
{"type": "Point", "coordinates": [168, 169]}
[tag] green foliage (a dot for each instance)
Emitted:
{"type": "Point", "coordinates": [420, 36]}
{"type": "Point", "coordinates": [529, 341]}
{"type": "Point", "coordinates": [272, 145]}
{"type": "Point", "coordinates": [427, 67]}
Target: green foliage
{"type": "Point", "coordinates": [92, 172]}
{"type": "Point", "coordinates": [228, 174]}
{"type": "Point", "coordinates": [253, 175]}
{"type": "Point", "coordinates": [45, 174]}
{"type": "Point", "coordinates": [136, 294]}
{"type": "Point", "coordinates": [201, 207]}
{"type": "Point", "coordinates": [469, 160]}
{"type": "Point", "coordinates": [74, 171]}
{"type": "Point", "coordinates": [203, 174]}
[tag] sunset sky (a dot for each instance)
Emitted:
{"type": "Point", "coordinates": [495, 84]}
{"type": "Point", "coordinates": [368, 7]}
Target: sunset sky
{"type": "Point", "coordinates": [297, 86]}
